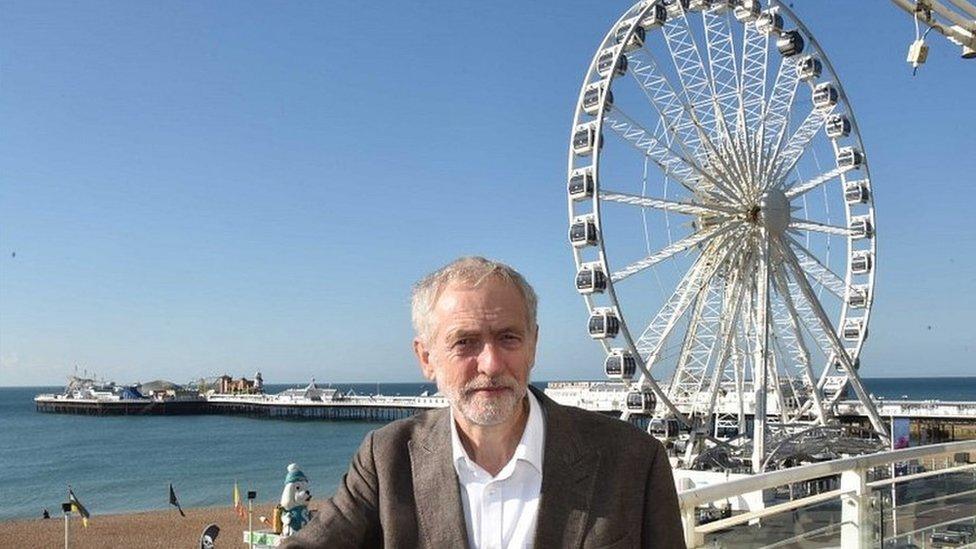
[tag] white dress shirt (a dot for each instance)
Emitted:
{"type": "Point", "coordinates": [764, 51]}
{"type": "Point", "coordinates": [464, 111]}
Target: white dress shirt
{"type": "Point", "coordinates": [501, 511]}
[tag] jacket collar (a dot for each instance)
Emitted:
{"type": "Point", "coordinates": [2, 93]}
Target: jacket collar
{"type": "Point", "coordinates": [437, 494]}
{"type": "Point", "coordinates": [568, 472]}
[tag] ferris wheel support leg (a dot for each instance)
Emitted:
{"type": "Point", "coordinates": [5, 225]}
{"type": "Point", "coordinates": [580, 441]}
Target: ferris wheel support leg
{"type": "Point", "coordinates": [839, 351]}
{"type": "Point", "coordinates": [811, 382]}
{"type": "Point", "coordinates": [761, 356]}
{"type": "Point", "coordinates": [740, 389]}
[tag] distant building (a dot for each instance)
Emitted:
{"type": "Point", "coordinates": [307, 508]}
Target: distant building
{"type": "Point", "coordinates": [231, 386]}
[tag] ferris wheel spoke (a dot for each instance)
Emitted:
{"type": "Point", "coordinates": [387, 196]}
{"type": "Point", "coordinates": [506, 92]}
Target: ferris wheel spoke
{"type": "Point", "coordinates": [685, 126]}
{"type": "Point", "coordinates": [696, 351]}
{"type": "Point", "coordinates": [683, 170]}
{"type": "Point", "coordinates": [818, 271]}
{"type": "Point", "coordinates": [801, 188]}
{"type": "Point", "coordinates": [806, 225]}
{"type": "Point", "coordinates": [791, 334]}
{"type": "Point", "coordinates": [691, 71]}
{"type": "Point", "coordinates": [732, 307]}
{"type": "Point", "coordinates": [652, 339]}
{"type": "Point", "coordinates": [658, 90]}
{"type": "Point", "coordinates": [698, 90]}
{"type": "Point", "coordinates": [804, 313]}
{"type": "Point", "coordinates": [839, 351]}
{"type": "Point", "coordinates": [776, 116]}
{"type": "Point", "coordinates": [755, 52]}
{"type": "Point", "coordinates": [671, 250]}
{"type": "Point", "coordinates": [786, 159]}
{"type": "Point", "coordinates": [725, 85]}
{"type": "Point", "coordinates": [723, 69]}
{"type": "Point", "coordinates": [689, 208]}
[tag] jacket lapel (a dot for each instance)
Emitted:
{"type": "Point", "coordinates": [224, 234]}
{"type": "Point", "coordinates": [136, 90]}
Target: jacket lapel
{"type": "Point", "coordinates": [568, 473]}
{"type": "Point", "coordinates": [440, 516]}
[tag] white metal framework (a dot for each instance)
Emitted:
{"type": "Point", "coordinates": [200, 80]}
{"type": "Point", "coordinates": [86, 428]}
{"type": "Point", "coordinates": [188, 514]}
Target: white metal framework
{"type": "Point", "coordinates": [955, 20]}
{"type": "Point", "coordinates": [719, 190]}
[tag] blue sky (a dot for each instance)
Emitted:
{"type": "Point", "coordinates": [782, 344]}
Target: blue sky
{"type": "Point", "coordinates": [207, 187]}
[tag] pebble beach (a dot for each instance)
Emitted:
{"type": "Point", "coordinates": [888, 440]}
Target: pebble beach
{"type": "Point", "coordinates": [162, 529]}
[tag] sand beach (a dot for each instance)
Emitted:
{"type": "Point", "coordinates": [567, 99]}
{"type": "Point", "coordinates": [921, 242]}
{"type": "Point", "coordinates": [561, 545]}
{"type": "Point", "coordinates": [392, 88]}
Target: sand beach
{"type": "Point", "coordinates": [163, 529]}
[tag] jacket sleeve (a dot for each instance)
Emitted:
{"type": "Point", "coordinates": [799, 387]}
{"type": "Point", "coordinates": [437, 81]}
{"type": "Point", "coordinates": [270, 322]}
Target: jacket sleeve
{"type": "Point", "coordinates": [662, 518]}
{"type": "Point", "coordinates": [350, 518]}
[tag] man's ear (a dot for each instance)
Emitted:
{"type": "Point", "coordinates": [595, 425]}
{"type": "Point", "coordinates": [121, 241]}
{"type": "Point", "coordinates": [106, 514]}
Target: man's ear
{"type": "Point", "coordinates": [423, 358]}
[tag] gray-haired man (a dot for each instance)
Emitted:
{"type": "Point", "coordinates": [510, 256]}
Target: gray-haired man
{"type": "Point", "coordinates": [503, 466]}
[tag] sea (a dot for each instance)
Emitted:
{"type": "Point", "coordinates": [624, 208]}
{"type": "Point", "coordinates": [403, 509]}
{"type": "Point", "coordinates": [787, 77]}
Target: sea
{"type": "Point", "coordinates": [126, 464]}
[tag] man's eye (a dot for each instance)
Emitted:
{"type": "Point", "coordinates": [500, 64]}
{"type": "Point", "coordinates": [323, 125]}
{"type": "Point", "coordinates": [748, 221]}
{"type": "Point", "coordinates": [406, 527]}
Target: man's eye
{"type": "Point", "coordinates": [461, 343]}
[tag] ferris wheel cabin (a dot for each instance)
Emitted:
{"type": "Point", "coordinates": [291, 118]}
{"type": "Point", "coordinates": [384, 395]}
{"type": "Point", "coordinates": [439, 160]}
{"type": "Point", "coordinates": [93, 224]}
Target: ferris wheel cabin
{"type": "Point", "coordinates": [861, 227]}
{"type": "Point", "coordinates": [591, 279]}
{"type": "Point", "coordinates": [790, 43]}
{"type": "Point", "coordinates": [582, 232]}
{"type": "Point", "coordinates": [858, 297]}
{"type": "Point", "coordinates": [584, 137]}
{"type": "Point", "coordinates": [655, 17]}
{"type": "Point", "coordinates": [769, 23]}
{"type": "Point", "coordinates": [838, 126]}
{"type": "Point", "coordinates": [636, 39]}
{"type": "Point", "coordinates": [664, 429]}
{"type": "Point", "coordinates": [605, 65]}
{"type": "Point", "coordinates": [825, 95]}
{"type": "Point", "coordinates": [641, 402]}
{"type": "Point", "coordinates": [620, 364]}
{"type": "Point", "coordinates": [581, 184]}
{"type": "Point", "coordinates": [603, 323]}
{"type": "Point", "coordinates": [861, 262]}
{"type": "Point", "coordinates": [747, 11]}
{"type": "Point", "coordinates": [853, 328]}
{"type": "Point", "coordinates": [676, 7]}
{"type": "Point", "coordinates": [809, 68]}
{"type": "Point", "coordinates": [856, 192]}
{"type": "Point", "coordinates": [849, 157]}
{"type": "Point", "coordinates": [591, 99]}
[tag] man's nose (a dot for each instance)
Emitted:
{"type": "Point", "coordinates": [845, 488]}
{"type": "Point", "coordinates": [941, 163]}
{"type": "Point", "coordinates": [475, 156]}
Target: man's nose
{"type": "Point", "coordinates": [490, 361]}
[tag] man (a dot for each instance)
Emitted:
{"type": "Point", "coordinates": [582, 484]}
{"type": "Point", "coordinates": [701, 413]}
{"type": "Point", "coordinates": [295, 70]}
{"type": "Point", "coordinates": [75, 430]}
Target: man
{"type": "Point", "coordinates": [503, 466]}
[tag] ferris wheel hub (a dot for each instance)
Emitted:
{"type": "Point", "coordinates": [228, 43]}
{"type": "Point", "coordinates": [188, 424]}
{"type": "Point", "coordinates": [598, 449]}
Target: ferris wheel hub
{"type": "Point", "coordinates": [774, 211]}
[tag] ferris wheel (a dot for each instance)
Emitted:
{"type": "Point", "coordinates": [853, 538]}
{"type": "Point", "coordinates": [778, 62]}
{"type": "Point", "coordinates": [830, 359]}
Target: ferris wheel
{"type": "Point", "coordinates": [722, 224]}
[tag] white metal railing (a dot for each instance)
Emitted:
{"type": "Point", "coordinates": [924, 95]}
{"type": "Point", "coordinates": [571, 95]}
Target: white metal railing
{"type": "Point", "coordinates": [854, 491]}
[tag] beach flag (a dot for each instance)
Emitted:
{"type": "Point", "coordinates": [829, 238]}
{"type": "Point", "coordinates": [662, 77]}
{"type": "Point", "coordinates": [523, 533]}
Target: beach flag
{"type": "Point", "coordinates": [174, 501]}
{"type": "Point", "coordinates": [77, 507]}
{"type": "Point", "coordinates": [238, 505]}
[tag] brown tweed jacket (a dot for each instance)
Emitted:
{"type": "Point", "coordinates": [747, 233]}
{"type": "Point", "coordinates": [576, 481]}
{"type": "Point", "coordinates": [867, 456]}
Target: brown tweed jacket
{"type": "Point", "coordinates": [605, 483]}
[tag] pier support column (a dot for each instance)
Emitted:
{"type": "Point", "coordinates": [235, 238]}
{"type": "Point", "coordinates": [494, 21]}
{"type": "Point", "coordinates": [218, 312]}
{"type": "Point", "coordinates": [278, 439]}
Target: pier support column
{"type": "Point", "coordinates": [856, 528]}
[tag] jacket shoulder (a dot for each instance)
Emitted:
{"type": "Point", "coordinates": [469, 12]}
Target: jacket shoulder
{"type": "Point", "coordinates": [604, 431]}
{"type": "Point", "coordinates": [399, 431]}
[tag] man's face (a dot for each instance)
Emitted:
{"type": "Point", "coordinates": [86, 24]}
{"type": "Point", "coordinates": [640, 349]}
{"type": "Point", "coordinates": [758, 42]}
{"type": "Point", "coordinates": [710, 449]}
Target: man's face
{"type": "Point", "coordinates": [480, 350]}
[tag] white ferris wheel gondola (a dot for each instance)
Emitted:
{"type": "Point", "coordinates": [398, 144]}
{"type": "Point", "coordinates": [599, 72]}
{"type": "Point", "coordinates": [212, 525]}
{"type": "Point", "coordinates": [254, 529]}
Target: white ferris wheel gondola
{"type": "Point", "coordinates": [722, 222]}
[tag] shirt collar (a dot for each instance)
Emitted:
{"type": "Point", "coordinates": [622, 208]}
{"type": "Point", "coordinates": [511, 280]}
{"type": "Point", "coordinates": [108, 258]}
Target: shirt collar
{"type": "Point", "coordinates": [529, 448]}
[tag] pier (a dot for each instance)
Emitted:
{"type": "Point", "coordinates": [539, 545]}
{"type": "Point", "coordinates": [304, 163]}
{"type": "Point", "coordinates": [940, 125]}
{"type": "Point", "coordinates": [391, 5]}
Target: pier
{"type": "Point", "coordinates": [121, 407]}
{"type": "Point", "coordinates": [336, 408]}
{"type": "Point", "coordinates": [358, 408]}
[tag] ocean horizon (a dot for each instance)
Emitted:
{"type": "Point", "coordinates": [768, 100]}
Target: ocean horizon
{"type": "Point", "coordinates": [126, 463]}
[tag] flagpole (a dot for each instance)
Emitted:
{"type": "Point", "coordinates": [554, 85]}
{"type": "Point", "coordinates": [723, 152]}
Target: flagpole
{"type": "Point", "coordinates": [66, 508]}
{"type": "Point", "coordinates": [251, 494]}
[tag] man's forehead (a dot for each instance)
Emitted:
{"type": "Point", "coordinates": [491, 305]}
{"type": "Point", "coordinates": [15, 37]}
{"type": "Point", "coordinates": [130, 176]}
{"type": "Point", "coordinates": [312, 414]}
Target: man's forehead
{"type": "Point", "coordinates": [462, 303]}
